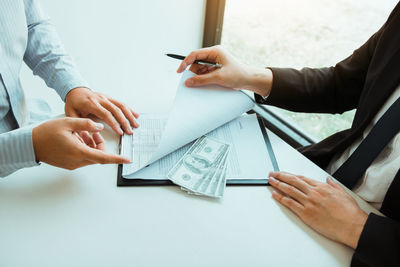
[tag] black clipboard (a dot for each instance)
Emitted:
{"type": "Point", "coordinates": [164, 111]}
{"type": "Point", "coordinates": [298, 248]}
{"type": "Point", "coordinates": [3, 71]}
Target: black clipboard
{"type": "Point", "coordinates": [146, 182]}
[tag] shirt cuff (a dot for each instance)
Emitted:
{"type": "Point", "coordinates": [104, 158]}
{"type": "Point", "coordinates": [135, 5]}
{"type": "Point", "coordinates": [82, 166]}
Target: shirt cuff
{"type": "Point", "coordinates": [65, 83]}
{"type": "Point", "coordinates": [16, 151]}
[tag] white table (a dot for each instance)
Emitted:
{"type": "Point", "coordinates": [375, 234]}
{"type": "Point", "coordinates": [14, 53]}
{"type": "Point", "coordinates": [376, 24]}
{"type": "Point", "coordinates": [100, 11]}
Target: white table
{"type": "Point", "coordinates": [54, 217]}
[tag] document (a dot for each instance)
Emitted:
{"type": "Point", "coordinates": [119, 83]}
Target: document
{"type": "Point", "coordinates": [196, 112]}
{"type": "Point", "coordinates": [248, 156]}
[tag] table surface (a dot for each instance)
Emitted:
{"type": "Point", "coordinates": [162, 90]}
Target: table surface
{"type": "Point", "coordinates": [55, 217]}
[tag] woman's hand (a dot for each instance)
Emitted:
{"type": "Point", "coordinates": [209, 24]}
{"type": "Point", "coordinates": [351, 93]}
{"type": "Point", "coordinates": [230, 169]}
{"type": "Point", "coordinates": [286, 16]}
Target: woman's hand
{"type": "Point", "coordinates": [81, 102]}
{"type": "Point", "coordinates": [233, 74]}
{"type": "Point", "coordinates": [326, 208]}
{"type": "Point", "coordinates": [57, 143]}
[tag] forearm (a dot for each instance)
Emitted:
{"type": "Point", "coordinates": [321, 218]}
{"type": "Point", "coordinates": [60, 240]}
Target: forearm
{"type": "Point", "coordinates": [45, 54]}
{"type": "Point", "coordinates": [16, 151]}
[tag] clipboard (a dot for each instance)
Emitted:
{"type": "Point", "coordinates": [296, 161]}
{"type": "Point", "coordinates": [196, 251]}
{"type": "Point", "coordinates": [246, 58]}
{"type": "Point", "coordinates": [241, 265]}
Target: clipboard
{"type": "Point", "coordinates": [150, 182]}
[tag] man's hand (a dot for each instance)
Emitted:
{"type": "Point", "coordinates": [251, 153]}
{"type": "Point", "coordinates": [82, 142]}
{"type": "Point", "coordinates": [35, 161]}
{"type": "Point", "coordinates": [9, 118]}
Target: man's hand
{"type": "Point", "coordinates": [81, 102]}
{"type": "Point", "coordinates": [326, 208]}
{"type": "Point", "coordinates": [233, 74]}
{"type": "Point", "coordinates": [57, 143]}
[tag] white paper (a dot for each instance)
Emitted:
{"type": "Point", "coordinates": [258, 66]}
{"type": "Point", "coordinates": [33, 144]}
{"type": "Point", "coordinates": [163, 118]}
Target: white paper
{"type": "Point", "coordinates": [195, 111]}
{"type": "Point", "coordinates": [248, 156]}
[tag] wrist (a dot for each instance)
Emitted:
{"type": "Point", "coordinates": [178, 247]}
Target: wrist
{"type": "Point", "coordinates": [76, 90]}
{"type": "Point", "coordinates": [354, 231]}
{"type": "Point", "coordinates": [259, 81]}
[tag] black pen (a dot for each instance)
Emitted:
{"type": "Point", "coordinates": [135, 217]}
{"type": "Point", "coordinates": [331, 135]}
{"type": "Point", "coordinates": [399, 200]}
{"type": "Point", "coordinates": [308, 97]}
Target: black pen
{"type": "Point", "coordinates": [201, 62]}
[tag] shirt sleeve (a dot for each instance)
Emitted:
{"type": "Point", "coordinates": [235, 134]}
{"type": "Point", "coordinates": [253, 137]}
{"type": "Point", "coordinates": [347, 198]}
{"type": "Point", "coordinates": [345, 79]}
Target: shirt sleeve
{"type": "Point", "coordinates": [16, 151]}
{"type": "Point", "coordinates": [45, 54]}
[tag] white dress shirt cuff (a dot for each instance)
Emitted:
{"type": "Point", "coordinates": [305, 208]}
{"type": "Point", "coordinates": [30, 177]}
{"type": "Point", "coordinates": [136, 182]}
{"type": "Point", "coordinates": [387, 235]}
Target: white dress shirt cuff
{"type": "Point", "coordinates": [66, 82]}
{"type": "Point", "coordinates": [16, 150]}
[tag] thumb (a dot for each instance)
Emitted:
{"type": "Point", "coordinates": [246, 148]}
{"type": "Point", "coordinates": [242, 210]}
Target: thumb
{"type": "Point", "coordinates": [204, 79]}
{"type": "Point", "coordinates": [77, 124]}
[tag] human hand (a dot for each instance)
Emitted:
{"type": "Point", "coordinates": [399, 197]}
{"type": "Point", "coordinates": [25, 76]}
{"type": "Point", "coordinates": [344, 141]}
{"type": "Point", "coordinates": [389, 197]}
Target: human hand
{"type": "Point", "coordinates": [233, 74]}
{"type": "Point", "coordinates": [57, 143]}
{"type": "Point", "coordinates": [325, 207]}
{"type": "Point", "coordinates": [81, 102]}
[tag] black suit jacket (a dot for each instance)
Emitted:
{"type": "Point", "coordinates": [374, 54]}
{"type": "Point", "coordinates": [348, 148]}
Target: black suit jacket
{"type": "Point", "coordinates": [363, 81]}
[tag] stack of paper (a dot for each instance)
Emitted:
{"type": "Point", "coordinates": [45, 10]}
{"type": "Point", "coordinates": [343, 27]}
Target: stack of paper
{"type": "Point", "coordinates": [195, 112]}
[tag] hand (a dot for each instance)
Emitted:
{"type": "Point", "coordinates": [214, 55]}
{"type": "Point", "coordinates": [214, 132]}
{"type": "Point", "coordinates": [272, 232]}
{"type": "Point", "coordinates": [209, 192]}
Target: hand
{"type": "Point", "coordinates": [57, 143]}
{"type": "Point", "coordinates": [81, 102]}
{"type": "Point", "coordinates": [233, 74]}
{"type": "Point", "coordinates": [326, 208]}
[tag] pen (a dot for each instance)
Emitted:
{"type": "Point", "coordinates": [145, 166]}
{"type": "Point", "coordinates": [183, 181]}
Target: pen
{"type": "Point", "coordinates": [201, 62]}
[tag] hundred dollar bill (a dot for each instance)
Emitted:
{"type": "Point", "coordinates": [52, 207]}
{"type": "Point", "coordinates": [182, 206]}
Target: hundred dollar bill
{"type": "Point", "coordinates": [222, 183]}
{"type": "Point", "coordinates": [218, 179]}
{"type": "Point", "coordinates": [208, 185]}
{"type": "Point", "coordinates": [202, 185]}
{"type": "Point", "coordinates": [216, 186]}
{"type": "Point", "coordinates": [199, 163]}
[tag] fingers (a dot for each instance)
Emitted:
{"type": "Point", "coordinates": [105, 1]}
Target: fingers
{"type": "Point", "coordinates": [206, 79]}
{"type": "Point", "coordinates": [108, 117]}
{"type": "Point", "coordinates": [119, 116]}
{"type": "Point", "coordinates": [79, 137]}
{"type": "Point", "coordinates": [201, 69]}
{"type": "Point", "coordinates": [98, 156]}
{"type": "Point", "coordinates": [135, 114]}
{"type": "Point", "coordinates": [330, 181]}
{"type": "Point", "coordinates": [201, 54]}
{"type": "Point", "coordinates": [99, 141]}
{"type": "Point", "coordinates": [289, 190]}
{"type": "Point", "coordinates": [288, 202]}
{"type": "Point", "coordinates": [308, 180]}
{"type": "Point", "coordinates": [78, 124]}
{"type": "Point", "coordinates": [292, 180]}
{"type": "Point", "coordinates": [128, 113]}
{"type": "Point", "coordinates": [87, 138]}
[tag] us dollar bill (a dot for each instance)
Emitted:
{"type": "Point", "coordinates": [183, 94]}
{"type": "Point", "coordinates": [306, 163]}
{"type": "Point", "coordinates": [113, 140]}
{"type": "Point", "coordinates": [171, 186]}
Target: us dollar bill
{"type": "Point", "coordinates": [215, 186]}
{"type": "Point", "coordinates": [218, 180]}
{"type": "Point", "coordinates": [222, 183]}
{"type": "Point", "coordinates": [197, 168]}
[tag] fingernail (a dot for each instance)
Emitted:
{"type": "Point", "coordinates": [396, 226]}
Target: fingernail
{"type": "Point", "coordinates": [189, 82]}
{"type": "Point", "coordinates": [130, 131]}
{"type": "Point", "coordinates": [120, 132]}
{"type": "Point", "coordinates": [99, 126]}
{"type": "Point", "coordinates": [272, 179]}
{"type": "Point", "coordinates": [274, 193]}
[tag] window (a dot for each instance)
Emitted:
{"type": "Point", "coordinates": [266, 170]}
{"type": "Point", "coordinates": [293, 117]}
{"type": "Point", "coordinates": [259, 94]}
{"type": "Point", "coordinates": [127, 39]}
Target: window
{"type": "Point", "coordinates": [292, 33]}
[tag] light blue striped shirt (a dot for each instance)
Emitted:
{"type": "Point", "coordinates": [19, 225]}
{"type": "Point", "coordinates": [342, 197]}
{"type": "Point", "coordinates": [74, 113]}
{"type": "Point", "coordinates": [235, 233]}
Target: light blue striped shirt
{"type": "Point", "coordinates": [26, 34]}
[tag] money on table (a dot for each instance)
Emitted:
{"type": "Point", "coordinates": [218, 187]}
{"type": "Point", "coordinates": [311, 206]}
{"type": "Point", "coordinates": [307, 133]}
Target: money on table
{"type": "Point", "coordinates": [202, 169]}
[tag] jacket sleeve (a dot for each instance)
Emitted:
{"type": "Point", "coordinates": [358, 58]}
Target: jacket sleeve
{"type": "Point", "coordinates": [326, 90]}
{"type": "Point", "coordinates": [379, 243]}
{"type": "Point", "coordinates": [45, 54]}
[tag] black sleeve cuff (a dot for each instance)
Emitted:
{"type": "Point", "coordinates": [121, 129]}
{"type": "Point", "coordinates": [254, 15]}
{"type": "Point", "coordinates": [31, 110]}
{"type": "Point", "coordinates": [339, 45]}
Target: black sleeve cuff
{"type": "Point", "coordinates": [379, 243]}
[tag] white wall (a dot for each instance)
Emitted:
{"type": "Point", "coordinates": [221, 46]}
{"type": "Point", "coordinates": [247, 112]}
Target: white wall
{"type": "Point", "coordinates": [119, 46]}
